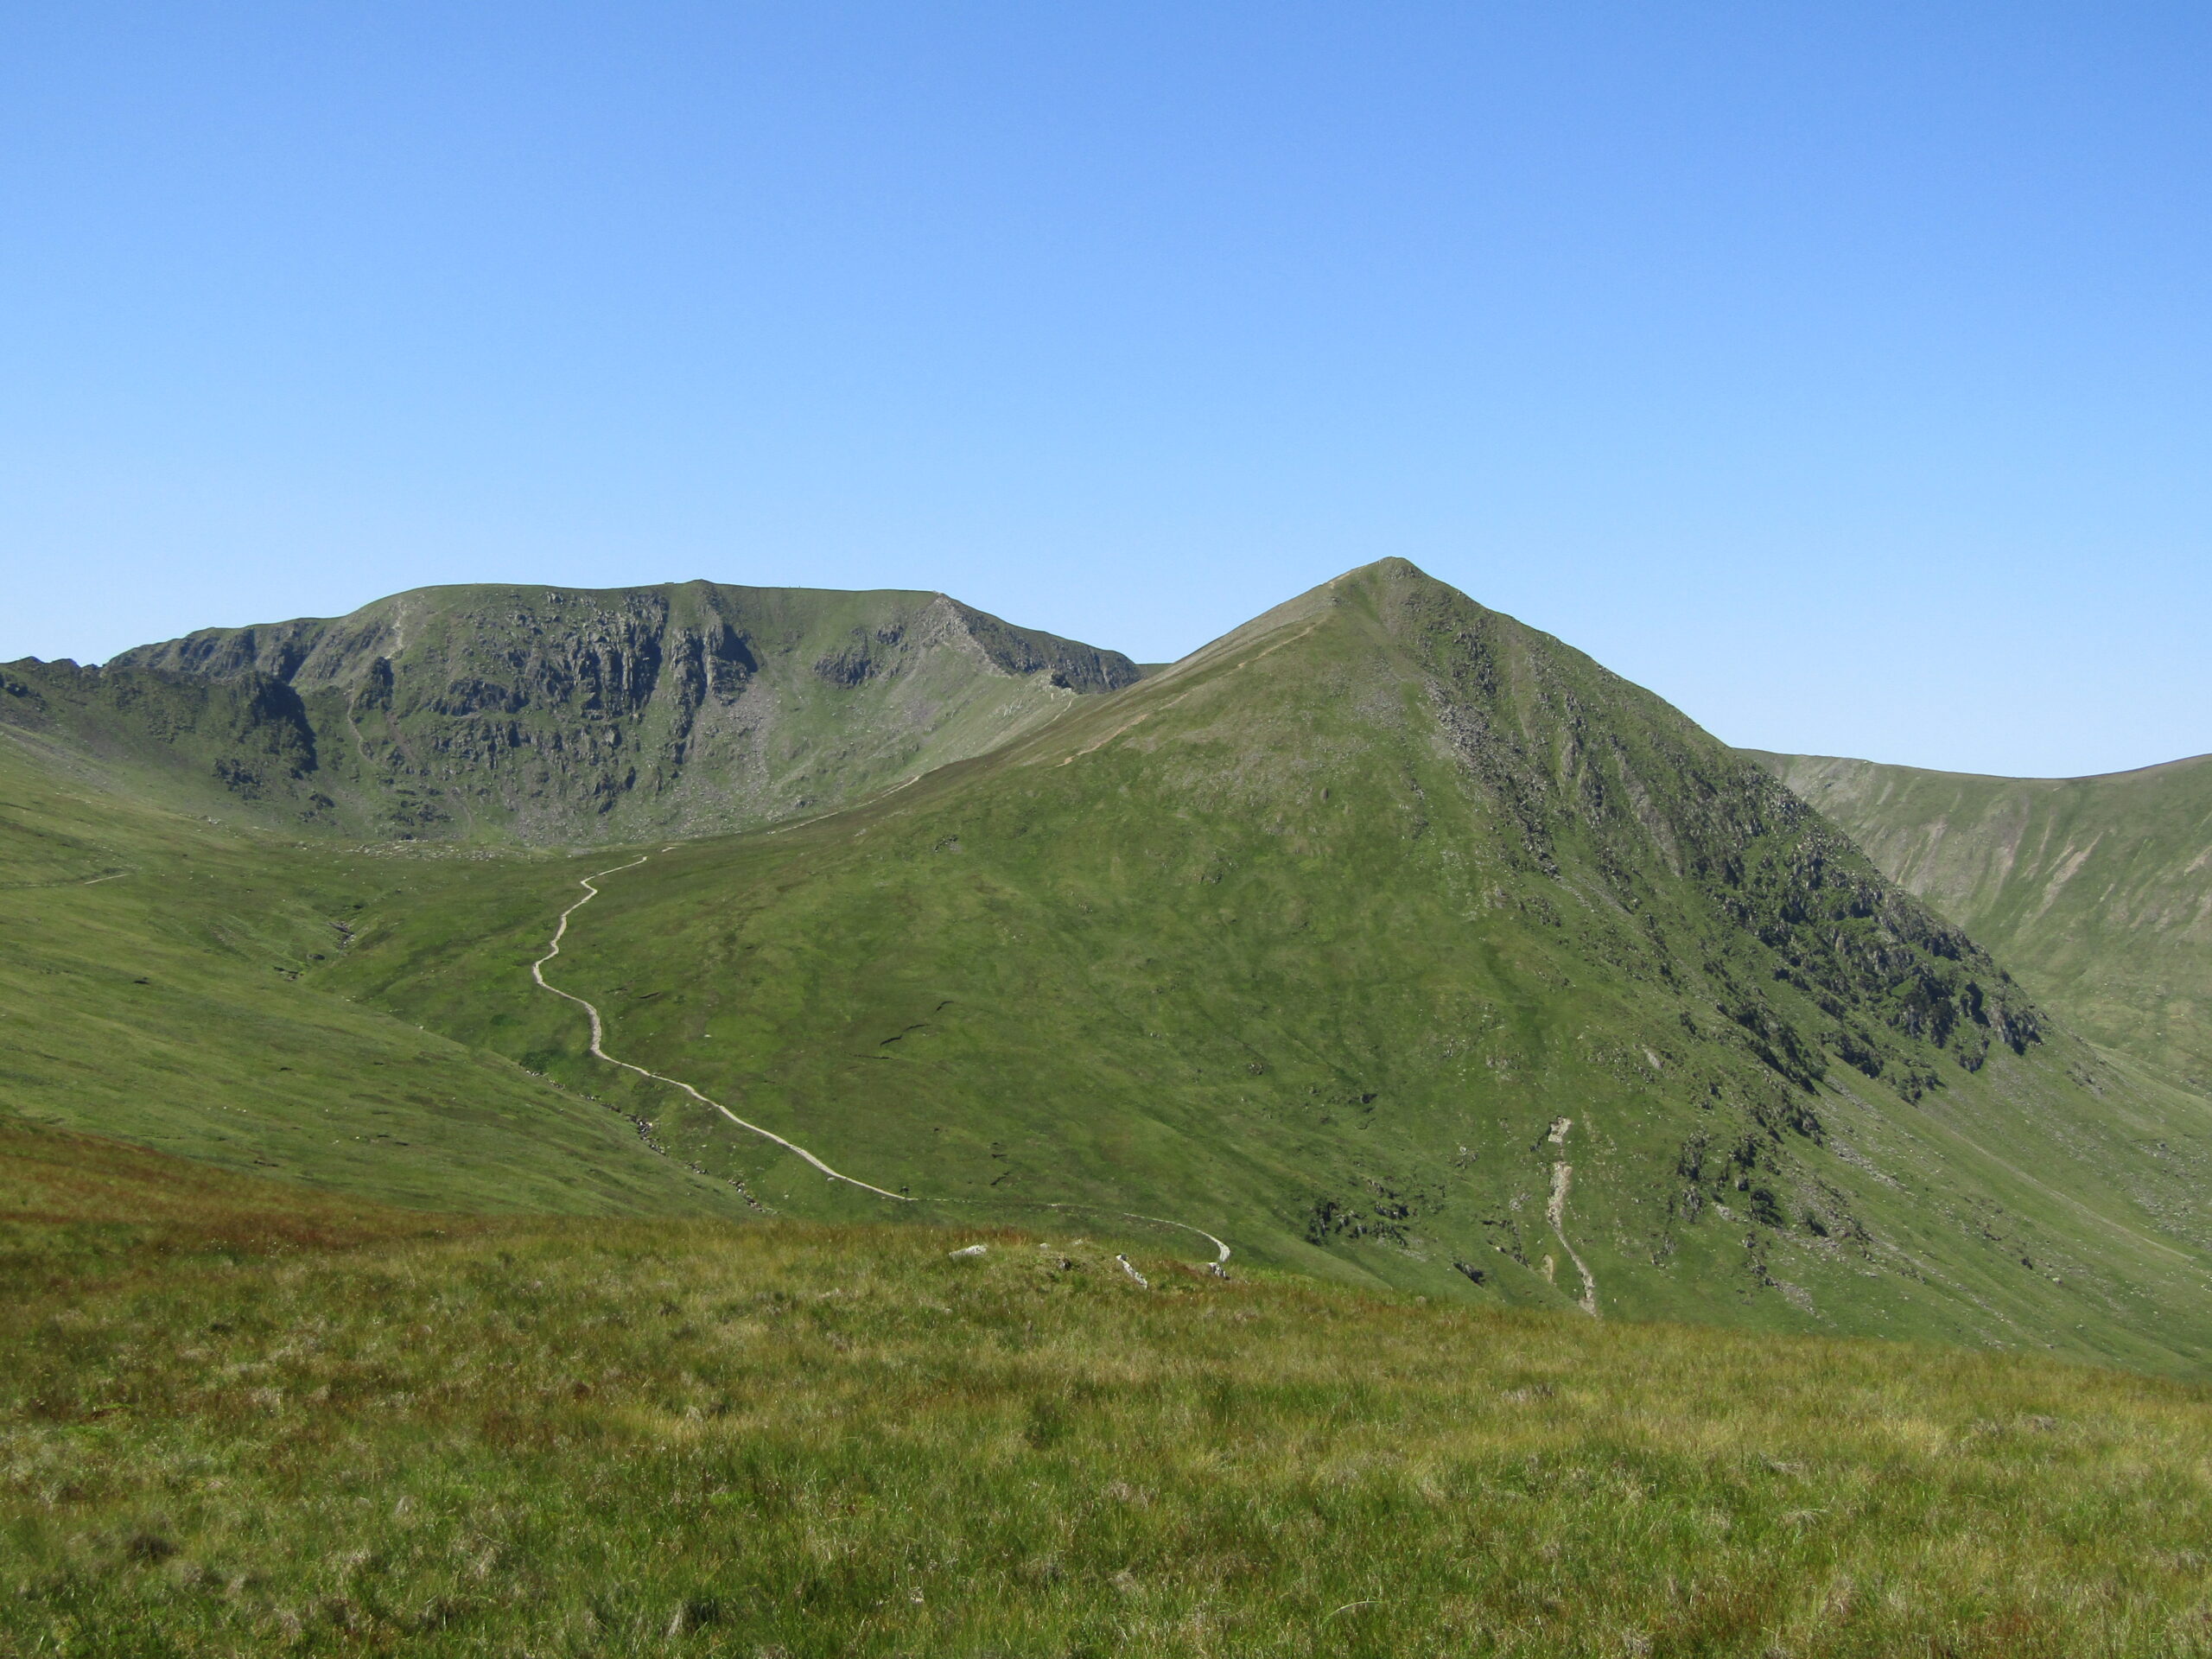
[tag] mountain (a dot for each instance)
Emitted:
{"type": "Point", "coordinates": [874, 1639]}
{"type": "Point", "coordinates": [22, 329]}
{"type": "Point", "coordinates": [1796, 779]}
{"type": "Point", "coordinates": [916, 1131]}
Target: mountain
{"type": "Point", "coordinates": [2097, 890]}
{"type": "Point", "coordinates": [557, 715]}
{"type": "Point", "coordinates": [1389, 940]}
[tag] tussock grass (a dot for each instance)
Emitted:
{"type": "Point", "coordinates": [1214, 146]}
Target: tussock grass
{"type": "Point", "coordinates": [603, 1437]}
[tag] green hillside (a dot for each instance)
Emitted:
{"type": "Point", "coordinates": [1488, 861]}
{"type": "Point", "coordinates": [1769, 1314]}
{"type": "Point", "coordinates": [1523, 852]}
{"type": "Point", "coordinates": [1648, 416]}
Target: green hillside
{"type": "Point", "coordinates": [235, 1419]}
{"type": "Point", "coordinates": [1395, 943]}
{"type": "Point", "coordinates": [157, 982]}
{"type": "Point", "coordinates": [1386, 939]}
{"type": "Point", "coordinates": [550, 716]}
{"type": "Point", "coordinates": [2096, 891]}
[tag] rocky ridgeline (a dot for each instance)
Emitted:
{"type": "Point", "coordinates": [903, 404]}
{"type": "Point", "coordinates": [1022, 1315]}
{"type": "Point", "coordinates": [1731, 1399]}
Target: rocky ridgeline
{"type": "Point", "coordinates": [550, 714]}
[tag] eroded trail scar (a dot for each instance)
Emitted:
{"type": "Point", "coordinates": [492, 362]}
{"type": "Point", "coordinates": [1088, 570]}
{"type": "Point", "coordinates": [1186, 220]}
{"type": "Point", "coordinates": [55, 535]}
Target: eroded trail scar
{"type": "Point", "coordinates": [1555, 1213]}
{"type": "Point", "coordinates": [599, 1052]}
{"type": "Point", "coordinates": [599, 1034]}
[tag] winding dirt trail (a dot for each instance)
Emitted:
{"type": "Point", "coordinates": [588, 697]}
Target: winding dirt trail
{"type": "Point", "coordinates": [599, 1036]}
{"type": "Point", "coordinates": [599, 1052]}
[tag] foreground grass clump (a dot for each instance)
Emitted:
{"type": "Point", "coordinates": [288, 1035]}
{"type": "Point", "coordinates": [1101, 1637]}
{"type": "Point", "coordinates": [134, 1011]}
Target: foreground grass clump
{"type": "Point", "coordinates": [616, 1437]}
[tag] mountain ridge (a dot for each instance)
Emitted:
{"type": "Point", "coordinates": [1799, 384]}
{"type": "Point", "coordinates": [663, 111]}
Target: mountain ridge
{"type": "Point", "coordinates": [2097, 889]}
{"type": "Point", "coordinates": [1774, 757]}
{"type": "Point", "coordinates": [549, 714]}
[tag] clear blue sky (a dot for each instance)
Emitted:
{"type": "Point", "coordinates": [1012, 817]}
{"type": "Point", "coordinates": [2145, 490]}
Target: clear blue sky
{"type": "Point", "coordinates": [1844, 373]}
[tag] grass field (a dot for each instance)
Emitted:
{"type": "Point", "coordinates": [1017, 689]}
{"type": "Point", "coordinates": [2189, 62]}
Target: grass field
{"type": "Point", "coordinates": [239, 1419]}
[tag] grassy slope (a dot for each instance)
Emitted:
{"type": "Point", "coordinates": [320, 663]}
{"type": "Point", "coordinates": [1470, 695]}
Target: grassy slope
{"type": "Point", "coordinates": [1245, 946]}
{"type": "Point", "coordinates": [151, 988]}
{"type": "Point", "coordinates": [560, 716]}
{"type": "Point", "coordinates": [2098, 891]}
{"type": "Point", "coordinates": [348, 1431]}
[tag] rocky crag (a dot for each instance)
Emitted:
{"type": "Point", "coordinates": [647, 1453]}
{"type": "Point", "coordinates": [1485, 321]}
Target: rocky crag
{"type": "Point", "coordinates": [2097, 890]}
{"type": "Point", "coordinates": [559, 715]}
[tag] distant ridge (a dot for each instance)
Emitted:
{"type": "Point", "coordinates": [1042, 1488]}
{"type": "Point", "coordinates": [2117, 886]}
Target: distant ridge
{"type": "Point", "coordinates": [561, 714]}
{"type": "Point", "coordinates": [1777, 762]}
{"type": "Point", "coordinates": [2096, 889]}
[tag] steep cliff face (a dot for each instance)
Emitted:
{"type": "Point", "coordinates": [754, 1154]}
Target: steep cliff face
{"type": "Point", "coordinates": [554, 714]}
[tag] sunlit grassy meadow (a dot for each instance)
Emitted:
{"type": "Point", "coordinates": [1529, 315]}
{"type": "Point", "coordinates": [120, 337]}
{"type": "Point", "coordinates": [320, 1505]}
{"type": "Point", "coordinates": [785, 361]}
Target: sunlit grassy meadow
{"type": "Point", "coordinates": [239, 1425]}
